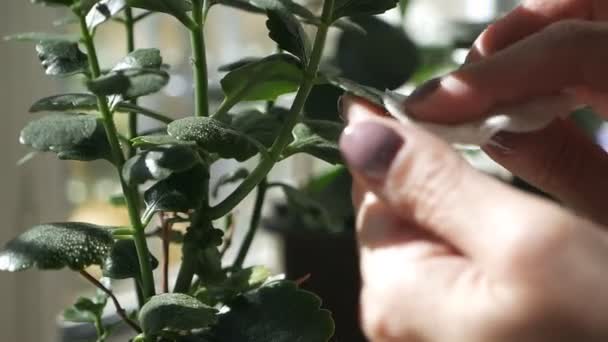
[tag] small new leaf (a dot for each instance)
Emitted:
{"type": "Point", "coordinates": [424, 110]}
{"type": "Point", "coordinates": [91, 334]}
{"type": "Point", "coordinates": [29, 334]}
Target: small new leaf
{"type": "Point", "coordinates": [140, 59]}
{"type": "Point", "coordinates": [159, 163]}
{"type": "Point", "coordinates": [260, 315]}
{"type": "Point", "coordinates": [318, 138]}
{"type": "Point", "coordinates": [65, 102]}
{"type": "Point", "coordinates": [175, 312]}
{"type": "Point", "coordinates": [85, 310]}
{"type": "Point", "coordinates": [122, 261]}
{"type": "Point", "coordinates": [57, 245]}
{"type": "Point", "coordinates": [288, 33]}
{"type": "Point", "coordinates": [72, 136]}
{"type": "Point", "coordinates": [61, 58]}
{"type": "Point", "coordinates": [265, 79]}
{"type": "Point", "coordinates": [348, 8]}
{"type": "Point", "coordinates": [129, 83]}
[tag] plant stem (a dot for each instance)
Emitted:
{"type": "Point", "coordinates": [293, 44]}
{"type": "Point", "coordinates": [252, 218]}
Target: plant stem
{"type": "Point", "coordinates": [126, 106]}
{"type": "Point", "coordinates": [100, 329]}
{"type": "Point", "coordinates": [166, 229]}
{"type": "Point", "coordinates": [262, 170]}
{"type": "Point", "coordinates": [131, 194]}
{"type": "Point", "coordinates": [253, 225]}
{"type": "Point", "coordinates": [132, 124]}
{"type": "Point", "coordinates": [199, 58]}
{"type": "Point", "coordinates": [185, 275]}
{"type": "Point", "coordinates": [119, 309]}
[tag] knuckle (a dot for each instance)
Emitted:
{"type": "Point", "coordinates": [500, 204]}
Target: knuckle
{"type": "Point", "coordinates": [428, 189]}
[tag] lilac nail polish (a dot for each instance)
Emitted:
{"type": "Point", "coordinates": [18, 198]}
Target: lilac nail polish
{"type": "Point", "coordinates": [370, 148]}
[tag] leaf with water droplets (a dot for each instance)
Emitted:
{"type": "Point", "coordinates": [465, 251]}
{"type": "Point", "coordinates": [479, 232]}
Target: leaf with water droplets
{"type": "Point", "coordinates": [262, 315]}
{"type": "Point", "coordinates": [236, 284]}
{"type": "Point", "coordinates": [130, 83]}
{"type": "Point", "coordinates": [122, 262]}
{"type": "Point", "coordinates": [65, 102]}
{"type": "Point", "coordinates": [158, 163]}
{"type": "Point", "coordinates": [318, 138]}
{"type": "Point", "coordinates": [72, 136]}
{"type": "Point", "coordinates": [61, 58]}
{"type": "Point", "coordinates": [57, 245]}
{"type": "Point", "coordinates": [151, 141]}
{"type": "Point", "coordinates": [175, 312]}
{"type": "Point", "coordinates": [140, 58]}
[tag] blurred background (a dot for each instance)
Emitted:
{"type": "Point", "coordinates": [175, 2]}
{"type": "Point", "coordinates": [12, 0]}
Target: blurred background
{"type": "Point", "coordinates": [399, 52]}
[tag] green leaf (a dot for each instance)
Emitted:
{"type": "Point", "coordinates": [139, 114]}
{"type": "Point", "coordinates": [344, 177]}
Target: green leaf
{"type": "Point", "coordinates": [176, 8]}
{"type": "Point", "coordinates": [57, 245]}
{"type": "Point", "coordinates": [104, 10]}
{"type": "Point", "coordinates": [61, 58]}
{"type": "Point", "coordinates": [370, 94]}
{"type": "Point", "coordinates": [263, 127]}
{"type": "Point", "coordinates": [159, 163]}
{"type": "Point", "coordinates": [265, 79]}
{"type": "Point", "coordinates": [53, 2]}
{"type": "Point", "coordinates": [122, 262]}
{"type": "Point", "coordinates": [38, 37]}
{"type": "Point", "coordinates": [311, 212]}
{"type": "Point", "coordinates": [72, 136]}
{"type": "Point", "coordinates": [175, 312]}
{"type": "Point", "coordinates": [348, 8]}
{"type": "Point", "coordinates": [85, 310]}
{"type": "Point", "coordinates": [65, 102]}
{"type": "Point", "coordinates": [228, 178]}
{"type": "Point", "coordinates": [214, 136]}
{"type": "Point", "coordinates": [180, 192]}
{"type": "Point", "coordinates": [277, 312]}
{"type": "Point", "coordinates": [151, 141]}
{"type": "Point", "coordinates": [140, 59]}
{"type": "Point", "coordinates": [236, 284]}
{"type": "Point", "coordinates": [288, 33]}
{"type": "Point", "coordinates": [317, 138]}
{"type": "Point", "coordinates": [130, 83]}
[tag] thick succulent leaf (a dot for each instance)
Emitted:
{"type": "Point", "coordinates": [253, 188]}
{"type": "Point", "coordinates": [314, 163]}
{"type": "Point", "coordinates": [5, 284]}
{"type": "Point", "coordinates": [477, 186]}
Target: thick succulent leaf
{"type": "Point", "coordinates": [176, 8]}
{"type": "Point", "coordinates": [86, 310]}
{"type": "Point", "coordinates": [72, 137]}
{"type": "Point", "coordinates": [261, 315]}
{"type": "Point", "coordinates": [214, 136]}
{"type": "Point", "coordinates": [180, 192]}
{"type": "Point", "coordinates": [122, 262]}
{"type": "Point", "coordinates": [175, 312]}
{"type": "Point", "coordinates": [38, 37]}
{"type": "Point", "coordinates": [61, 58]}
{"type": "Point", "coordinates": [288, 33]}
{"type": "Point", "coordinates": [228, 178]}
{"type": "Point", "coordinates": [265, 79]}
{"type": "Point", "coordinates": [385, 58]}
{"type": "Point", "coordinates": [57, 245]}
{"type": "Point", "coordinates": [240, 63]}
{"type": "Point", "coordinates": [152, 141]}
{"type": "Point", "coordinates": [370, 94]}
{"type": "Point", "coordinates": [236, 284]}
{"type": "Point", "coordinates": [129, 83]}
{"type": "Point", "coordinates": [317, 138]}
{"type": "Point", "coordinates": [348, 8]}
{"type": "Point", "coordinates": [159, 163]}
{"type": "Point", "coordinates": [140, 59]}
{"type": "Point", "coordinates": [65, 102]}
{"type": "Point", "coordinates": [263, 127]}
{"type": "Point", "coordinates": [104, 10]}
{"type": "Point", "coordinates": [261, 6]}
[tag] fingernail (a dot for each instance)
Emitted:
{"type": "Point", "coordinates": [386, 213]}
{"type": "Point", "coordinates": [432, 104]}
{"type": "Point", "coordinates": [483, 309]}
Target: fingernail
{"type": "Point", "coordinates": [424, 91]}
{"type": "Point", "coordinates": [370, 148]}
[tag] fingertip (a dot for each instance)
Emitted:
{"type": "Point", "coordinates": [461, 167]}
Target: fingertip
{"type": "Point", "coordinates": [353, 108]}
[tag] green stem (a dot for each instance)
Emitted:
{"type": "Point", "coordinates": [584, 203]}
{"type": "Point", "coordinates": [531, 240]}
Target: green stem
{"type": "Point", "coordinates": [131, 194]}
{"type": "Point", "coordinates": [132, 123]}
{"type": "Point", "coordinates": [253, 225]}
{"type": "Point", "coordinates": [126, 106]}
{"type": "Point", "coordinates": [100, 329]}
{"type": "Point", "coordinates": [199, 58]}
{"type": "Point", "coordinates": [262, 170]}
{"type": "Point", "coordinates": [185, 275]}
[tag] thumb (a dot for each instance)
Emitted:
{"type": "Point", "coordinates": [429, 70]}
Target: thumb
{"type": "Point", "coordinates": [425, 182]}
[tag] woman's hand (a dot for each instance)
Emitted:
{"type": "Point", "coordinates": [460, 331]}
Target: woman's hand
{"type": "Point", "coordinates": [449, 254]}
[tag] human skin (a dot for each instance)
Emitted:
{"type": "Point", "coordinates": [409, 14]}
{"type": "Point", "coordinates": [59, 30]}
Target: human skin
{"type": "Point", "coordinates": [449, 254]}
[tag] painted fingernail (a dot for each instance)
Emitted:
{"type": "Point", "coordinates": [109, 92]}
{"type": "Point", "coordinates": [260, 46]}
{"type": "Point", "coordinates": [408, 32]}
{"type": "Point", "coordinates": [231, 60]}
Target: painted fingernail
{"type": "Point", "coordinates": [424, 91]}
{"type": "Point", "coordinates": [370, 148]}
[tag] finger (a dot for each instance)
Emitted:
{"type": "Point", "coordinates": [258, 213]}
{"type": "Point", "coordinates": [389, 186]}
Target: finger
{"type": "Point", "coordinates": [563, 162]}
{"type": "Point", "coordinates": [425, 182]}
{"type": "Point", "coordinates": [567, 54]}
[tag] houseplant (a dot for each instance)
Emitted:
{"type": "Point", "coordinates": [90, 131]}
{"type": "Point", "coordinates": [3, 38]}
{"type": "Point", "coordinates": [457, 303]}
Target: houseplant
{"type": "Point", "coordinates": [208, 302]}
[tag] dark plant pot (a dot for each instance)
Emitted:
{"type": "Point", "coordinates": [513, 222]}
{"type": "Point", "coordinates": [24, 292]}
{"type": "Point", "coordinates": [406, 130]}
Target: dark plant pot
{"type": "Point", "coordinates": [332, 262]}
